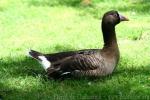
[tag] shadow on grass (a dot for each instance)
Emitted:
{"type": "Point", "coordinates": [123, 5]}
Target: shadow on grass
{"type": "Point", "coordinates": [127, 67]}
{"type": "Point", "coordinates": [142, 6]}
{"type": "Point", "coordinates": [95, 9]}
{"type": "Point", "coordinates": [133, 71]}
{"type": "Point", "coordinates": [26, 66]}
{"type": "Point", "coordinates": [73, 3]}
{"type": "Point", "coordinates": [29, 67]}
{"type": "Point", "coordinates": [138, 6]}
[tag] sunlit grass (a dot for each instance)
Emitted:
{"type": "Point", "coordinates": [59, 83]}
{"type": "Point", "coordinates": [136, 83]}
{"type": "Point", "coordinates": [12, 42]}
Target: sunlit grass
{"type": "Point", "coordinates": [56, 27]}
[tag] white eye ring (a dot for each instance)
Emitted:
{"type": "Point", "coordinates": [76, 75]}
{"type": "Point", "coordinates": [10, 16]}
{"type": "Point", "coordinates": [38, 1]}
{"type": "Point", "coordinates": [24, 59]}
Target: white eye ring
{"type": "Point", "coordinates": [115, 15]}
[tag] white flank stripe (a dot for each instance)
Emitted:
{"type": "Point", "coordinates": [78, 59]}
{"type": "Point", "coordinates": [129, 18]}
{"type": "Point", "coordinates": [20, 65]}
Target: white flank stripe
{"type": "Point", "coordinates": [65, 73]}
{"type": "Point", "coordinates": [46, 64]}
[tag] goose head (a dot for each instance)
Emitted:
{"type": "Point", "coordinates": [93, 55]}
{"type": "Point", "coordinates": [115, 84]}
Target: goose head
{"type": "Point", "coordinates": [112, 18]}
{"type": "Point", "coordinates": [109, 21]}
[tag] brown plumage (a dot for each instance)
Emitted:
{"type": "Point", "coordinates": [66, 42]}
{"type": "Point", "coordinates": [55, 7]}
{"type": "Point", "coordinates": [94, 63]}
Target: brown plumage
{"type": "Point", "coordinates": [88, 62]}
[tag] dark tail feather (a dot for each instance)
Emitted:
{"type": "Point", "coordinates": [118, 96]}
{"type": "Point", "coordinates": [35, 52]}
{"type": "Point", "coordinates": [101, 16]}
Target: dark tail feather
{"type": "Point", "coordinates": [35, 54]}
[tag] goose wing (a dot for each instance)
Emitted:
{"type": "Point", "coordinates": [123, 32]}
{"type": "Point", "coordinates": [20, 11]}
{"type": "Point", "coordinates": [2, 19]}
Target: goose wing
{"type": "Point", "coordinates": [61, 55]}
{"type": "Point", "coordinates": [78, 63]}
{"type": "Point", "coordinates": [82, 62]}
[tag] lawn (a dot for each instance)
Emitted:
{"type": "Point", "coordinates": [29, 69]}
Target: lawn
{"type": "Point", "coordinates": [53, 26]}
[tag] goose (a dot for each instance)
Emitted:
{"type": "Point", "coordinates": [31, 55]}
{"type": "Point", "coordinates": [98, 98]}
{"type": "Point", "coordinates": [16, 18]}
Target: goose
{"type": "Point", "coordinates": [87, 62]}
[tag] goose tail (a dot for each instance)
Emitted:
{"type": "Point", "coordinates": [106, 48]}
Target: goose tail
{"type": "Point", "coordinates": [41, 58]}
{"type": "Point", "coordinates": [35, 54]}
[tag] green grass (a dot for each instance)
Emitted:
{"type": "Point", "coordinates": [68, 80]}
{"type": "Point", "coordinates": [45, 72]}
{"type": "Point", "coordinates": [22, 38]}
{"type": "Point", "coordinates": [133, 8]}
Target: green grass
{"type": "Point", "coordinates": [61, 26]}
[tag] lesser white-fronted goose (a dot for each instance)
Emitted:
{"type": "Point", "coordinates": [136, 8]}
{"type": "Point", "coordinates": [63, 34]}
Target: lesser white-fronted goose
{"type": "Point", "coordinates": [88, 62]}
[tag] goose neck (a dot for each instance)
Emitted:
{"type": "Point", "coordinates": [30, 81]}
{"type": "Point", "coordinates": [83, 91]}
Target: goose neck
{"type": "Point", "coordinates": [109, 35]}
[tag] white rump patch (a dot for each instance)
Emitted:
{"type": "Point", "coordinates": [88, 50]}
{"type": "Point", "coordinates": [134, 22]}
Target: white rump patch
{"type": "Point", "coordinates": [46, 64]}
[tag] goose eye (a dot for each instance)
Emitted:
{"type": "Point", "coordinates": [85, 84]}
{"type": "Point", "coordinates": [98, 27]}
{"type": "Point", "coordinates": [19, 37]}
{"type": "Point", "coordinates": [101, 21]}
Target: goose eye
{"type": "Point", "coordinates": [115, 15]}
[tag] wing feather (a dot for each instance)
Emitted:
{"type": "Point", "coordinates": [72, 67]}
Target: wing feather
{"type": "Point", "coordinates": [61, 55]}
{"type": "Point", "coordinates": [81, 62]}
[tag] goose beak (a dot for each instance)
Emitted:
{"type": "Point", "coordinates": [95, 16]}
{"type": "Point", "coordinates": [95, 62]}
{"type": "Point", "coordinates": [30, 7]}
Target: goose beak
{"type": "Point", "coordinates": [122, 18]}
